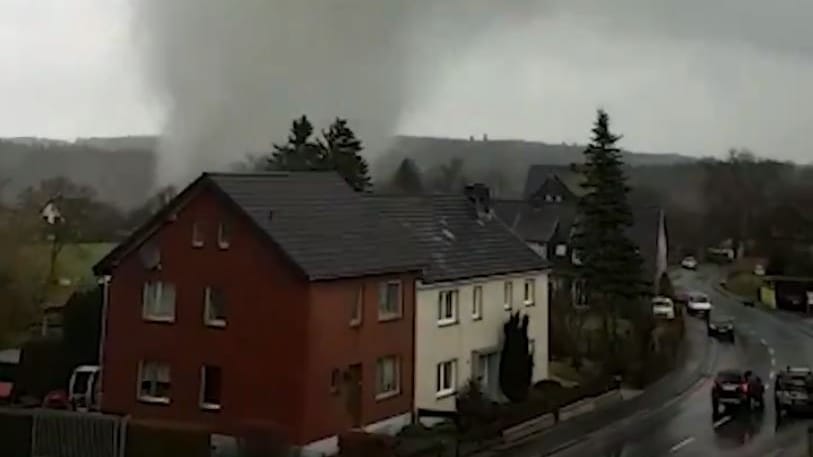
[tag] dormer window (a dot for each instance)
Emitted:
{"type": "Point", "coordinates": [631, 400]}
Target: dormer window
{"type": "Point", "coordinates": [548, 197]}
{"type": "Point", "coordinates": [558, 198]}
{"type": "Point", "coordinates": [197, 235]}
{"type": "Point", "coordinates": [223, 235]}
{"type": "Point", "coordinates": [561, 250]}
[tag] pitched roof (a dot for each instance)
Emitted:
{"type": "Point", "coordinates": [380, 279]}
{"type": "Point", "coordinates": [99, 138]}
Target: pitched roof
{"type": "Point", "coordinates": [539, 223]}
{"type": "Point", "coordinates": [538, 174]}
{"type": "Point", "coordinates": [460, 244]}
{"type": "Point", "coordinates": [322, 225]}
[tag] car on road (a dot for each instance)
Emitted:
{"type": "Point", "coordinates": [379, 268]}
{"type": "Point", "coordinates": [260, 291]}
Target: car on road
{"type": "Point", "coordinates": [793, 391]}
{"type": "Point", "coordinates": [698, 303]}
{"type": "Point", "coordinates": [721, 327]}
{"type": "Point", "coordinates": [689, 263]}
{"type": "Point", "coordinates": [663, 307]}
{"type": "Point", "coordinates": [736, 389]}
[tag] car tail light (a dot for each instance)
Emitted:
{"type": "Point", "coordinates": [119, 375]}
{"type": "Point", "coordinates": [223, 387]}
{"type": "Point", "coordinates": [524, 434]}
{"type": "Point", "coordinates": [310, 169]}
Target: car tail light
{"type": "Point", "coordinates": [745, 387]}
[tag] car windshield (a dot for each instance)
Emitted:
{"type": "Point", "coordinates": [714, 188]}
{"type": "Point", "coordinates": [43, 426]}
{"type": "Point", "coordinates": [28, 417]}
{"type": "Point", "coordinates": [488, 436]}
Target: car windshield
{"type": "Point", "coordinates": [700, 298]}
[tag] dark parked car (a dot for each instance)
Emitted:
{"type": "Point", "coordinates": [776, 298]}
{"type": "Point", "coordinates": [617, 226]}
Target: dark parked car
{"type": "Point", "coordinates": [737, 389]}
{"type": "Point", "coordinates": [721, 328]}
{"type": "Point", "coordinates": [793, 391]}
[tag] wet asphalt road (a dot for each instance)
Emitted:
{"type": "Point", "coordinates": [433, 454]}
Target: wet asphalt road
{"type": "Point", "coordinates": [684, 427]}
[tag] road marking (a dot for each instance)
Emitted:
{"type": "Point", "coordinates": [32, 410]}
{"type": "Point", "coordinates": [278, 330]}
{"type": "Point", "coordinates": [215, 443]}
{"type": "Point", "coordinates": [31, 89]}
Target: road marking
{"type": "Point", "coordinates": [773, 362]}
{"type": "Point", "coordinates": [770, 351]}
{"type": "Point", "coordinates": [721, 421]}
{"type": "Point", "coordinates": [682, 444]}
{"type": "Point", "coordinates": [762, 340]}
{"type": "Point", "coordinates": [771, 375]}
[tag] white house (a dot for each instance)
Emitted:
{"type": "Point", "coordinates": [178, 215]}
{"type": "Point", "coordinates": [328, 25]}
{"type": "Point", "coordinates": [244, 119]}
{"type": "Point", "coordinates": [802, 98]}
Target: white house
{"type": "Point", "coordinates": [459, 332]}
{"type": "Point", "coordinates": [478, 273]}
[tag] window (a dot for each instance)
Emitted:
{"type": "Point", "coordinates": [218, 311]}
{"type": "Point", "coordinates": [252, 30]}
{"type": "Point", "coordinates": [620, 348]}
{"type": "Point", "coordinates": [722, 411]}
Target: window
{"type": "Point", "coordinates": [211, 378]}
{"type": "Point", "coordinates": [197, 234]}
{"type": "Point", "coordinates": [214, 307]}
{"type": "Point", "coordinates": [158, 301]}
{"type": "Point", "coordinates": [447, 307]}
{"type": "Point", "coordinates": [561, 250]}
{"type": "Point", "coordinates": [387, 374]}
{"type": "Point", "coordinates": [508, 295]}
{"type": "Point", "coordinates": [558, 198]}
{"type": "Point", "coordinates": [445, 378]}
{"type": "Point", "coordinates": [153, 382]}
{"type": "Point", "coordinates": [389, 300]}
{"type": "Point", "coordinates": [357, 310]}
{"type": "Point", "coordinates": [477, 303]}
{"type": "Point", "coordinates": [335, 380]}
{"type": "Point", "coordinates": [548, 198]}
{"type": "Point", "coordinates": [223, 235]}
{"type": "Point", "coordinates": [529, 293]}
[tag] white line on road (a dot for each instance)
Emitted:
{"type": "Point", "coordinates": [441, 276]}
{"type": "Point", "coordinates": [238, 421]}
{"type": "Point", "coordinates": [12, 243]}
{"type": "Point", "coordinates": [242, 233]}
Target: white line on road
{"type": "Point", "coordinates": [770, 351]}
{"type": "Point", "coordinates": [683, 443]}
{"type": "Point", "coordinates": [721, 421]}
{"type": "Point", "coordinates": [762, 340]}
{"type": "Point", "coordinates": [773, 362]}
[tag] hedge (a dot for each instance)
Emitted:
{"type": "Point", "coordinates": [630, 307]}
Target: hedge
{"type": "Point", "coordinates": [15, 434]}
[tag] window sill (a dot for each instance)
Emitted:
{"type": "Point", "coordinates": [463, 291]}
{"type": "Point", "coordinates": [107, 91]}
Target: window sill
{"type": "Point", "coordinates": [154, 400]}
{"type": "Point", "coordinates": [209, 407]}
{"type": "Point", "coordinates": [389, 317]}
{"type": "Point", "coordinates": [197, 245]}
{"type": "Point", "coordinates": [507, 307]}
{"type": "Point", "coordinates": [216, 323]}
{"type": "Point", "coordinates": [445, 394]}
{"type": "Point", "coordinates": [387, 395]}
{"type": "Point", "coordinates": [529, 303]}
{"type": "Point", "coordinates": [477, 317]}
{"type": "Point", "coordinates": [447, 322]}
{"type": "Point", "coordinates": [355, 323]}
{"type": "Point", "coordinates": [223, 246]}
{"type": "Point", "coordinates": [159, 319]}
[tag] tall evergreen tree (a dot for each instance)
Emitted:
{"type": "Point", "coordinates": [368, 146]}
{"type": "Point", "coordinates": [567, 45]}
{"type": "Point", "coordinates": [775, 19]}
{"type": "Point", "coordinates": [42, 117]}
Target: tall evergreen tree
{"type": "Point", "coordinates": [516, 361]}
{"type": "Point", "coordinates": [611, 267]}
{"type": "Point", "coordinates": [300, 153]}
{"type": "Point", "coordinates": [341, 151]}
{"type": "Point", "coordinates": [407, 178]}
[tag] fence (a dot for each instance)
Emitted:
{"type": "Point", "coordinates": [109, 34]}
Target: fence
{"type": "Point", "coordinates": [53, 433]}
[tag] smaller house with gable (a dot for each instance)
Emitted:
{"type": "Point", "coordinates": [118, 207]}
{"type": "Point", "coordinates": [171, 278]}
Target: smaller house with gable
{"type": "Point", "coordinates": [478, 274]}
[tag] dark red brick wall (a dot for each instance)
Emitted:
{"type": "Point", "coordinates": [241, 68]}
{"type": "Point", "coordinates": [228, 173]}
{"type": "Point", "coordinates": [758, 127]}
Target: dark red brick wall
{"type": "Point", "coordinates": [335, 344]}
{"type": "Point", "coordinates": [262, 351]}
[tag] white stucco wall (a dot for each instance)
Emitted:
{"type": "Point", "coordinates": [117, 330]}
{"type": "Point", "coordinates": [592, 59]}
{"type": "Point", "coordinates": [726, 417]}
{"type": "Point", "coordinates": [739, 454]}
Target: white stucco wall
{"type": "Point", "coordinates": [435, 343]}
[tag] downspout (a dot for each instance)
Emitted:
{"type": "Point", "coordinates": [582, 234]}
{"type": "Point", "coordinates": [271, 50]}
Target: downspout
{"type": "Point", "coordinates": [104, 281]}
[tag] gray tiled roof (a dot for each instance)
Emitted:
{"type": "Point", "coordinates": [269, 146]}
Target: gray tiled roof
{"type": "Point", "coordinates": [325, 227]}
{"type": "Point", "coordinates": [536, 223]}
{"type": "Point", "coordinates": [460, 244]}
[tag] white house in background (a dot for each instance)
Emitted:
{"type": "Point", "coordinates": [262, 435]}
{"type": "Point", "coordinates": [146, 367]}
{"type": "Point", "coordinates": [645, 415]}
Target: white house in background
{"type": "Point", "coordinates": [479, 272]}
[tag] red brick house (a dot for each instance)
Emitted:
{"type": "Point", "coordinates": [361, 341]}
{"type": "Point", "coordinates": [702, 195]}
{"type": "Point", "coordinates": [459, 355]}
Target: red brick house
{"type": "Point", "coordinates": [278, 300]}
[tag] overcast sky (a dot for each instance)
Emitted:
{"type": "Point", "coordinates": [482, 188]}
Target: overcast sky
{"type": "Point", "coordinates": [687, 76]}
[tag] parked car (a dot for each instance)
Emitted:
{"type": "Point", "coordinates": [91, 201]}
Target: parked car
{"type": "Point", "coordinates": [736, 389]}
{"type": "Point", "coordinates": [689, 263]}
{"type": "Point", "coordinates": [721, 328]}
{"type": "Point", "coordinates": [793, 391]}
{"type": "Point", "coordinates": [698, 304]}
{"type": "Point", "coordinates": [663, 307]}
{"type": "Point", "coordinates": [56, 399]}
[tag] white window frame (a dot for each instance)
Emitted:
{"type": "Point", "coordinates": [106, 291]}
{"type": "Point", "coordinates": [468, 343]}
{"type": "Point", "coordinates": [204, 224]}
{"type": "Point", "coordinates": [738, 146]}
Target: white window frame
{"type": "Point", "coordinates": [383, 297]}
{"type": "Point", "coordinates": [529, 284]}
{"type": "Point", "coordinates": [223, 235]}
{"type": "Point", "coordinates": [477, 303]}
{"type": "Point", "coordinates": [203, 404]}
{"type": "Point", "coordinates": [150, 398]}
{"type": "Point", "coordinates": [561, 250]}
{"type": "Point", "coordinates": [357, 314]}
{"type": "Point", "coordinates": [395, 389]}
{"type": "Point", "coordinates": [198, 235]}
{"type": "Point", "coordinates": [508, 295]}
{"type": "Point", "coordinates": [152, 301]}
{"type": "Point", "coordinates": [207, 308]}
{"type": "Point", "coordinates": [446, 298]}
{"type": "Point", "coordinates": [446, 383]}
